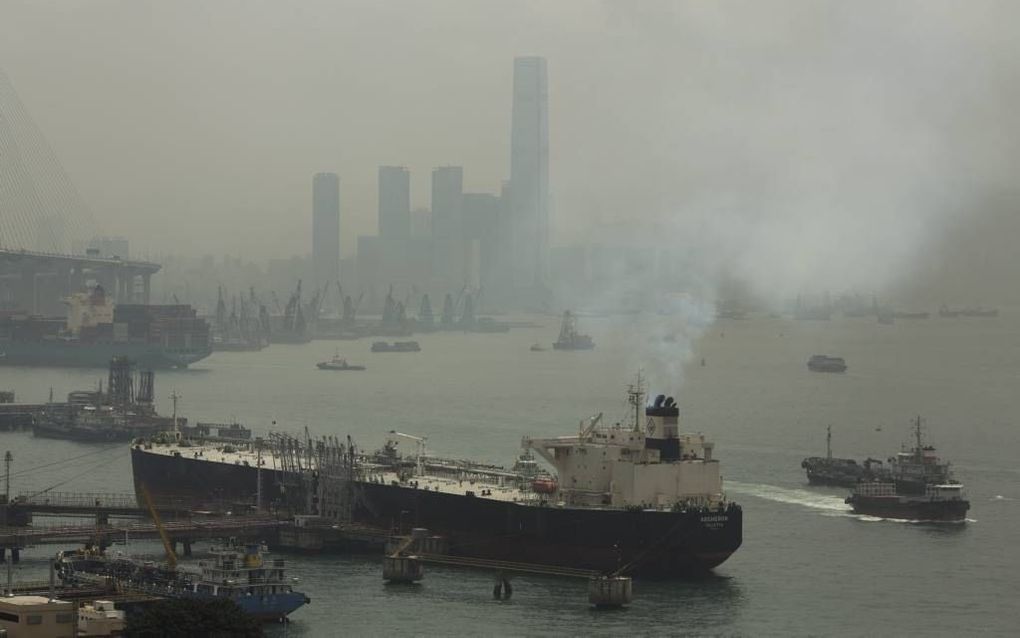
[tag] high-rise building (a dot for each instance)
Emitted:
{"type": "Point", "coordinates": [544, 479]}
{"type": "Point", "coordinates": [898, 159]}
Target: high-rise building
{"type": "Point", "coordinates": [482, 217]}
{"type": "Point", "coordinates": [421, 223]}
{"type": "Point", "coordinates": [447, 202]}
{"type": "Point", "coordinates": [529, 173]}
{"type": "Point", "coordinates": [394, 202]}
{"type": "Point", "coordinates": [325, 228]}
{"type": "Point", "coordinates": [448, 236]}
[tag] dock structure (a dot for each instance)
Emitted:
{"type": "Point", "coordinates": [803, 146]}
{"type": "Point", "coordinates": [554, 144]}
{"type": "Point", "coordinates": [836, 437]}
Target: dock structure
{"type": "Point", "coordinates": [185, 532]}
{"type": "Point", "coordinates": [509, 567]}
{"type": "Point", "coordinates": [19, 416]}
{"type": "Point", "coordinates": [102, 506]}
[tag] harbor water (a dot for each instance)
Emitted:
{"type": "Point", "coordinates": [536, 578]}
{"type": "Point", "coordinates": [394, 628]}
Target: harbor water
{"type": "Point", "coordinates": [807, 566]}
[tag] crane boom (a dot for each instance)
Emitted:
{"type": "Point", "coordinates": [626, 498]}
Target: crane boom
{"type": "Point", "coordinates": [171, 557]}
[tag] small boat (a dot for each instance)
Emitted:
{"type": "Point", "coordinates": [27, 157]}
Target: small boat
{"type": "Point", "coordinates": [396, 346]}
{"type": "Point", "coordinates": [979, 312]}
{"type": "Point", "coordinates": [903, 314]}
{"type": "Point", "coordinates": [337, 363]}
{"type": "Point", "coordinates": [570, 338]}
{"type": "Point", "coordinates": [537, 347]}
{"type": "Point", "coordinates": [825, 363]}
{"type": "Point", "coordinates": [240, 572]}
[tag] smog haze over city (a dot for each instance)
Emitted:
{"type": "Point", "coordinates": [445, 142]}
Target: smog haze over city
{"type": "Point", "coordinates": [800, 146]}
{"type": "Point", "coordinates": [525, 306]}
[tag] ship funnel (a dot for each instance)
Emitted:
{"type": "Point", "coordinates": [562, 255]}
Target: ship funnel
{"type": "Point", "coordinates": [663, 418]}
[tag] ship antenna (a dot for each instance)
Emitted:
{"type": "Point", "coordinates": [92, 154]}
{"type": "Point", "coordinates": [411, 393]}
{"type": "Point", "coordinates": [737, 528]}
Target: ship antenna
{"type": "Point", "coordinates": [917, 435]}
{"type": "Point", "coordinates": [173, 397]}
{"type": "Point", "coordinates": [828, 442]}
{"type": "Point", "coordinates": [635, 396]}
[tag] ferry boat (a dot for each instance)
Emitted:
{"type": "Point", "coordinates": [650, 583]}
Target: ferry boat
{"type": "Point", "coordinates": [825, 363]}
{"type": "Point", "coordinates": [642, 499]}
{"type": "Point", "coordinates": [396, 346]}
{"type": "Point", "coordinates": [237, 571]}
{"type": "Point", "coordinates": [919, 487]}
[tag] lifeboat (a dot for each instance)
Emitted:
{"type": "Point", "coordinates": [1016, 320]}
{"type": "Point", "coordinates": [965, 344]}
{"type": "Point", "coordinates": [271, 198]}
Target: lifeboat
{"type": "Point", "coordinates": [544, 485]}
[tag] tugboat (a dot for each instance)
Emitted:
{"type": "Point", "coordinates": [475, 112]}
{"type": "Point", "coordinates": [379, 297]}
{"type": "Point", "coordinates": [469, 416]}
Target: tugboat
{"type": "Point", "coordinates": [337, 363]}
{"type": "Point", "coordinates": [825, 363]}
{"type": "Point", "coordinates": [827, 470]}
{"type": "Point", "coordinates": [396, 346]}
{"type": "Point", "coordinates": [238, 572]}
{"type": "Point", "coordinates": [919, 487]}
{"type": "Point", "coordinates": [570, 338]}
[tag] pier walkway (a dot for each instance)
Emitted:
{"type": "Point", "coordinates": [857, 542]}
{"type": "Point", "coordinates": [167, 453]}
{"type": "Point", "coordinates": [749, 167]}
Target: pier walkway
{"type": "Point", "coordinates": [252, 527]}
{"type": "Point", "coordinates": [101, 505]}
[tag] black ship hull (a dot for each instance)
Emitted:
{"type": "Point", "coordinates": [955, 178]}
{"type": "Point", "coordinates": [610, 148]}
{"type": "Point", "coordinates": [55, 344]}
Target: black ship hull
{"type": "Point", "coordinates": [910, 508]}
{"type": "Point", "coordinates": [650, 544]}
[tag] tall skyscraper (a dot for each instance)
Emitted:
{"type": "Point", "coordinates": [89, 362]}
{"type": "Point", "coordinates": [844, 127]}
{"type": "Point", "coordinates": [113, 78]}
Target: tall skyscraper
{"type": "Point", "coordinates": [447, 202]}
{"type": "Point", "coordinates": [448, 237]}
{"type": "Point", "coordinates": [325, 228]}
{"type": "Point", "coordinates": [394, 202]}
{"type": "Point", "coordinates": [529, 173]}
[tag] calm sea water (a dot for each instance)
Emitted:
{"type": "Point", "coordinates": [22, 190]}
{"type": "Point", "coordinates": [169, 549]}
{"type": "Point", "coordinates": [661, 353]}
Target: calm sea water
{"type": "Point", "coordinates": [807, 566]}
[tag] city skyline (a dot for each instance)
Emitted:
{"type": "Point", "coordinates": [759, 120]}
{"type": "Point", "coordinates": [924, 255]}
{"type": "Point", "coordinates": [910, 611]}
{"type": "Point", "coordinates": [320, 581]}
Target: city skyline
{"type": "Point", "coordinates": [671, 120]}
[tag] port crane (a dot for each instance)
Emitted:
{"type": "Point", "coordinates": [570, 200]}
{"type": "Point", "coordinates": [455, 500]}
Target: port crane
{"type": "Point", "coordinates": [419, 448]}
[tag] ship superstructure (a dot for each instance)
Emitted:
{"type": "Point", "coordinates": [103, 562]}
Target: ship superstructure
{"type": "Point", "coordinates": [649, 464]}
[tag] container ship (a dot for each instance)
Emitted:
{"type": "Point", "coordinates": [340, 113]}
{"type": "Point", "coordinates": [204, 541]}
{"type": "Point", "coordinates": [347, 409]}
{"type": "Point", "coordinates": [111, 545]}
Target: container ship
{"type": "Point", "coordinates": [639, 499]}
{"type": "Point", "coordinates": [919, 487]}
{"type": "Point", "coordinates": [96, 330]}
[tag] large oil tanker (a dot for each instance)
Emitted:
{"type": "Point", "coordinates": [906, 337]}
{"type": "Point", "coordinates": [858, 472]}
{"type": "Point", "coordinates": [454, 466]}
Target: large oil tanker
{"type": "Point", "coordinates": [96, 330]}
{"type": "Point", "coordinates": [641, 499]}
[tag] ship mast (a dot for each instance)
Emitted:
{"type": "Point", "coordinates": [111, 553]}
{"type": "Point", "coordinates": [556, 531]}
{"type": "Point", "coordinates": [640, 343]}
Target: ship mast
{"type": "Point", "coordinates": [173, 397]}
{"type": "Point", "coordinates": [917, 437]}
{"type": "Point", "coordinates": [635, 397]}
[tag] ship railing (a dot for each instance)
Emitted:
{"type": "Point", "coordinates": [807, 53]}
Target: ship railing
{"type": "Point", "coordinates": [876, 489]}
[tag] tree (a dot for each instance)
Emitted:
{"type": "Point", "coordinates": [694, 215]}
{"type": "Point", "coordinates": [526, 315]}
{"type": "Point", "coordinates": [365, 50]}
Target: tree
{"type": "Point", "coordinates": [214, 618]}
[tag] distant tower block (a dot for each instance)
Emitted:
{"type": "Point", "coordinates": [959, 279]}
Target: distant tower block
{"type": "Point", "coordinates": [394, 202]}
{"type": "Point", "coordinates": [529, 173]}
{"type": "Point", "coordinates": [326, 228]}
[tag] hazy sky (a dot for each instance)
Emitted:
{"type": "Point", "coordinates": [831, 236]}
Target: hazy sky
{"type": "Point", "coordinates": [787, 140]}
